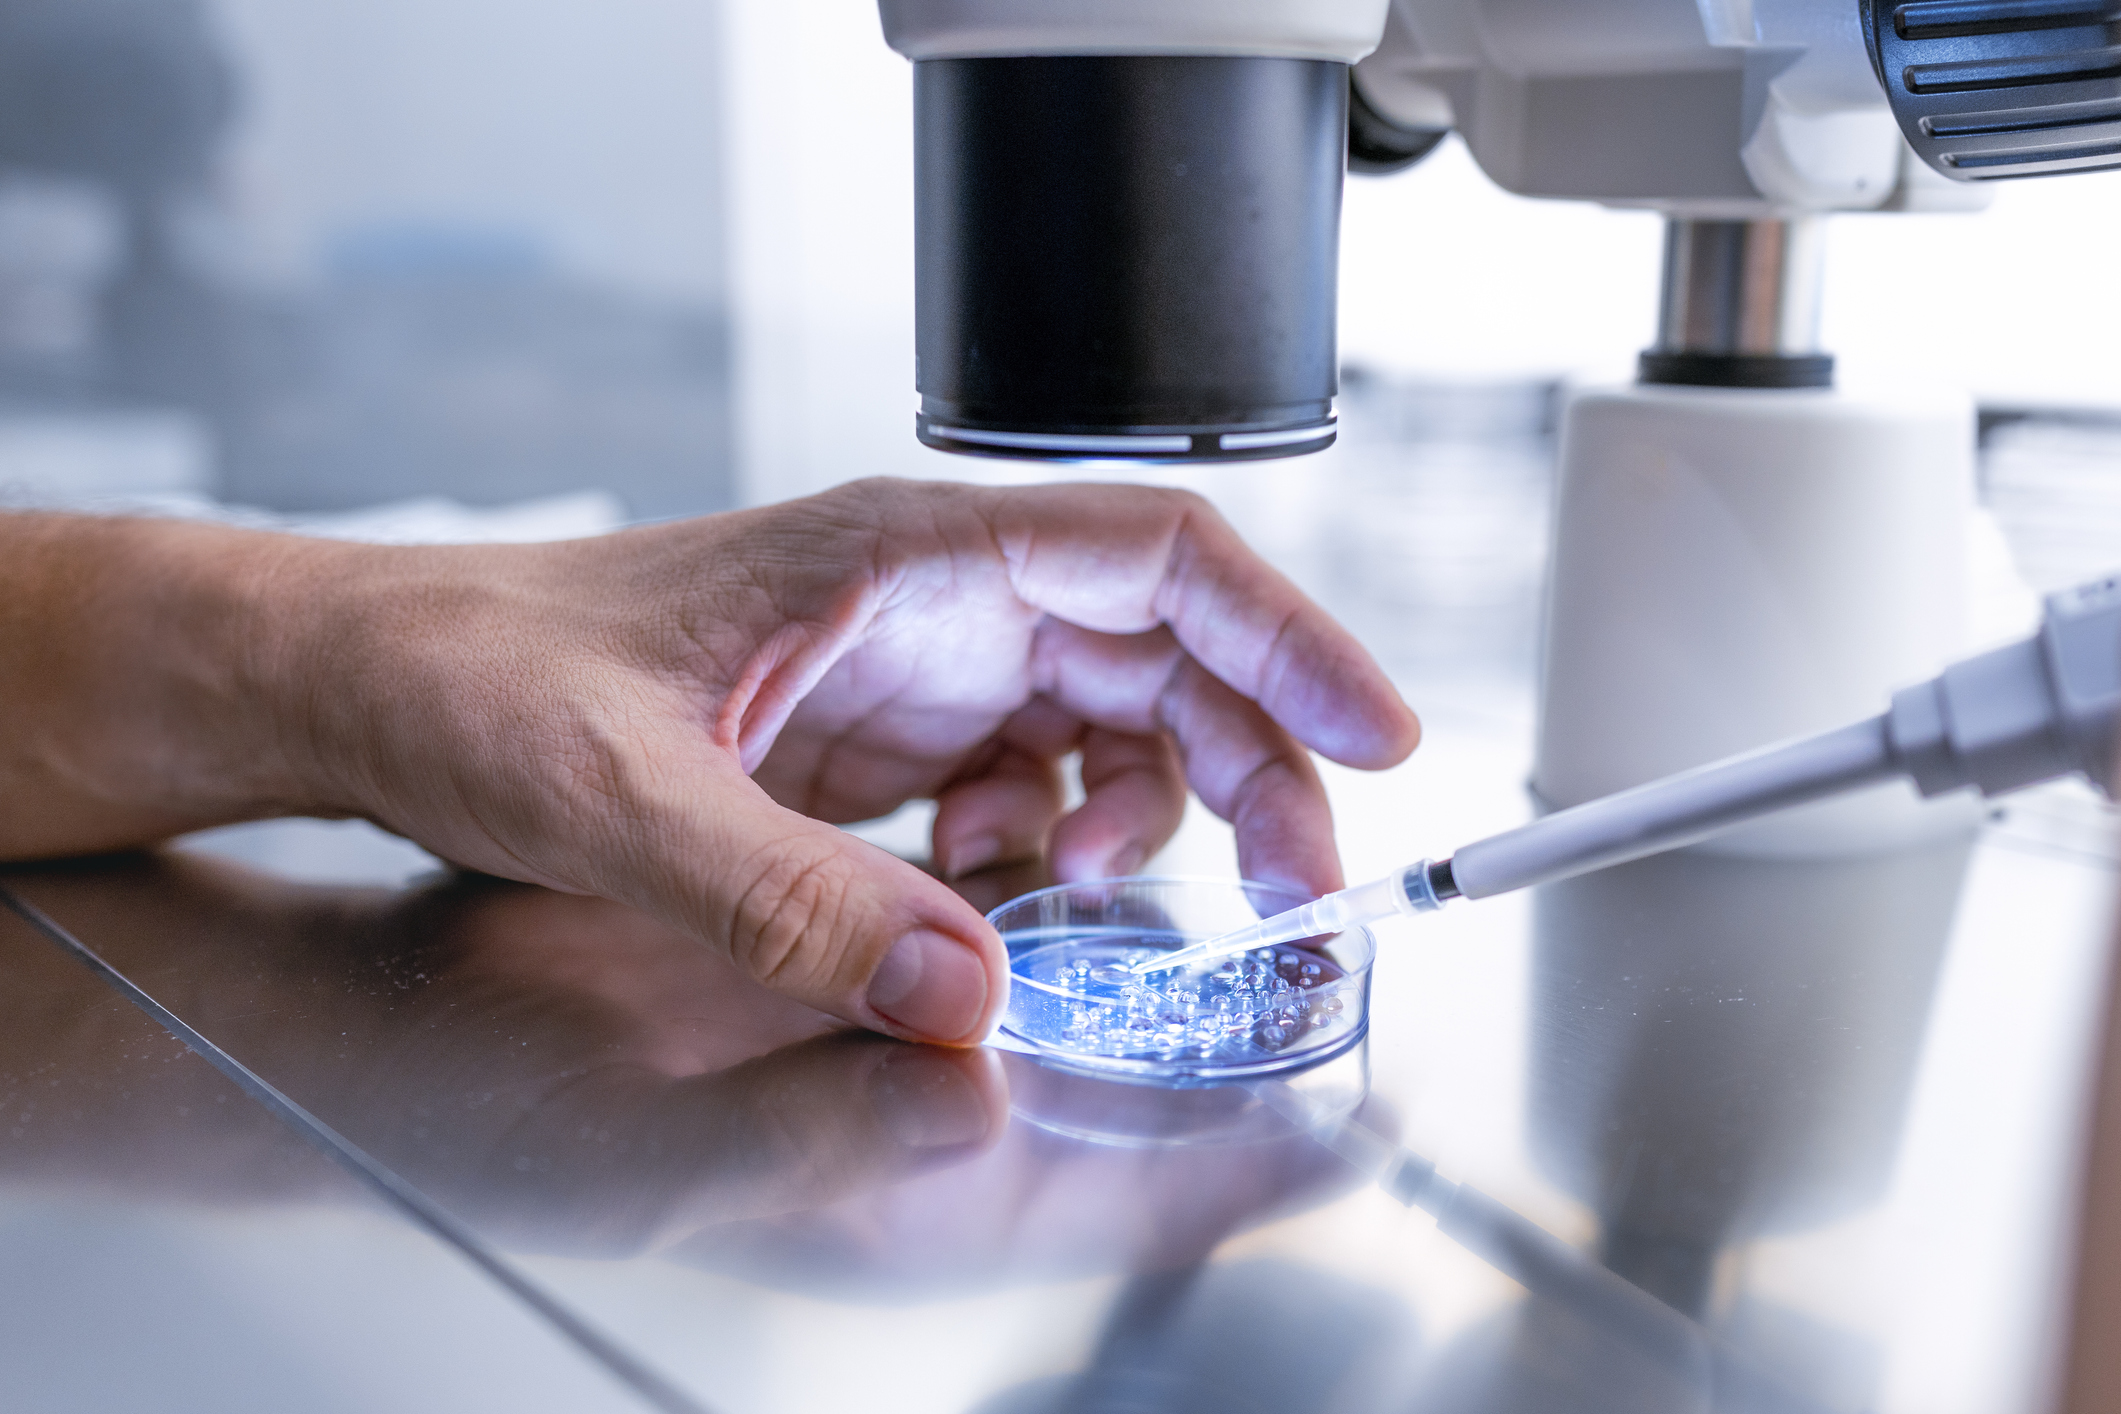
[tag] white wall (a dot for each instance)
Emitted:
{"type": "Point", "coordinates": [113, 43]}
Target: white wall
{"type": "Point", "coordinates": [820, 122]}
{"type": "Point", "coordinates": [2016, 302]}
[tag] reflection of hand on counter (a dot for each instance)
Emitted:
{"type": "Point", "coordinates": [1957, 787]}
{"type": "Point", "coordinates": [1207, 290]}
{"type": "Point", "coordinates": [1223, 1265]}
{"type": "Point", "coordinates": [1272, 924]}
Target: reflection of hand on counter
{"type": "Point", "coordinates": [559, 1067]}
{"type": "Point", "coordinates": [571, 1076]}
{"type": "Point", "coordinates": [670, 717]}
{"type": "Point", "coordinates": [1036, 1207]}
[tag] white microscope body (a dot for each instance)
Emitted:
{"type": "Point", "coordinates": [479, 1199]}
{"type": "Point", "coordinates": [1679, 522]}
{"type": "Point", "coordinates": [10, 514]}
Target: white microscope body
{"type": "Point", "coordinates": [1743, 551]}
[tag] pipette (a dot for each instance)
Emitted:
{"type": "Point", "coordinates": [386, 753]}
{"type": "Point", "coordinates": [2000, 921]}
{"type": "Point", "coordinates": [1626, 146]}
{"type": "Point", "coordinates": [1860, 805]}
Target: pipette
{"type": "Point", "coordinates": [2045, 707]}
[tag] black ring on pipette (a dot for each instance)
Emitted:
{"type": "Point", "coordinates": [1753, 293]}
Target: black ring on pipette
{"type": "Point", "coordinates": [1442, 882]}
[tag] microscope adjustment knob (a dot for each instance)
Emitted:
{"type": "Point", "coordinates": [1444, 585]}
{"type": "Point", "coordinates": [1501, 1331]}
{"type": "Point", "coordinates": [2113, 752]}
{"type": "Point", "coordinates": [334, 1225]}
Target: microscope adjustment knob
{"type": "Point", "coordinates": [1987, 89]}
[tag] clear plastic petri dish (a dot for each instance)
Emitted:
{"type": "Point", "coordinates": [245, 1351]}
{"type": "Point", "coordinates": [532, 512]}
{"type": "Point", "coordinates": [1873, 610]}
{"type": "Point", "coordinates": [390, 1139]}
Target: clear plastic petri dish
{"type": "Point", "coordinates": [1253, 1014]}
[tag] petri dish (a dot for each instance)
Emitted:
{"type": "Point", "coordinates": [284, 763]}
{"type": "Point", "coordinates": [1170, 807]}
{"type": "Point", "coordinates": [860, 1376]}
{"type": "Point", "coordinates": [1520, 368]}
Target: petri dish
{"type": "Point", "coordinates": [1269, 1010]}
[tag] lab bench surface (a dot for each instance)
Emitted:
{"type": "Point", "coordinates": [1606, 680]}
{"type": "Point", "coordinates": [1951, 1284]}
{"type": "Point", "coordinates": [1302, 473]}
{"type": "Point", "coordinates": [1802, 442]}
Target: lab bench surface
{"type": "Point", "coordinates": [1702, 1132]}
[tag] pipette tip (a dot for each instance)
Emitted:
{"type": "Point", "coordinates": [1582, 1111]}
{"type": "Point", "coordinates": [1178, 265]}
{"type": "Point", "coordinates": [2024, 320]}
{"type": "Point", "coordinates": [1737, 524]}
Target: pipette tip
{"type": "Point", "coordinates": [1419, 888]}
{"type": "Point", "coordinates": [1256, 935]}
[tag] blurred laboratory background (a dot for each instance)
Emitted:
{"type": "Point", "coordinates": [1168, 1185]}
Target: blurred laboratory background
{"type": "Point", "coordinates": [518, 268]}
{"type": "Point", "coordinates": [317, 257]}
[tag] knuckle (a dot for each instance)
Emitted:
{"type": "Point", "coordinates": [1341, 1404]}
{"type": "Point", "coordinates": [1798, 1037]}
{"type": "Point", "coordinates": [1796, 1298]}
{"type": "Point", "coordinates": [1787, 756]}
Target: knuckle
{"type": "Point", "coordinates": [788, 928]}
{"type": "Point", "coordinates": [589, 757]}
{"type": "Point", "coordinates": [874, 497]}
{"type": "Point", "coordinates": [1186, 506]}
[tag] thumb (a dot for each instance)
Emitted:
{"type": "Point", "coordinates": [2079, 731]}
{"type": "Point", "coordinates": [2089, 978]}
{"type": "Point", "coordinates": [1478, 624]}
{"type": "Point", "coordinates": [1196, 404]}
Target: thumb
{"type": "Point", "coordinates": [831, 921]}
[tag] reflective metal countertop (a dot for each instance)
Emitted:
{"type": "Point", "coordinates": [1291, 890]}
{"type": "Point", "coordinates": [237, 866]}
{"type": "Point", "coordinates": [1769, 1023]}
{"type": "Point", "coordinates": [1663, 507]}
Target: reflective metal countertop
{"type": "Point", "coordinates": [1699, 1133]}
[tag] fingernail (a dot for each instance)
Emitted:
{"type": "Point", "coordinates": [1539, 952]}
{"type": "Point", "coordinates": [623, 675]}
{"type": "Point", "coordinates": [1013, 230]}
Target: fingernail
{"type": "Point", "coordinates": [930, 985]}
{"type": "Point", "coordinates": [1126, 861]}
{"type": "Point", "coordinates": [925, 1101]}
{"type": "Point", "coordinates": [975, 853]}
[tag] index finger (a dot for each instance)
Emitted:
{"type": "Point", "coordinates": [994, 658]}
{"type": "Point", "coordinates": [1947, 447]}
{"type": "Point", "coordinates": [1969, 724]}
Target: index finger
{"type": "Point", "coordinates": [1124, 559]}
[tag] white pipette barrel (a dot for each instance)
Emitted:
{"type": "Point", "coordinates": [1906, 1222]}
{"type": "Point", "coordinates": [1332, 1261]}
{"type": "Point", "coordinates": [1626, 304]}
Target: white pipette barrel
{"type": "Point", "coordinates": [2033, 711]}
{"type": "Point", "coordinates": [1676, 811]}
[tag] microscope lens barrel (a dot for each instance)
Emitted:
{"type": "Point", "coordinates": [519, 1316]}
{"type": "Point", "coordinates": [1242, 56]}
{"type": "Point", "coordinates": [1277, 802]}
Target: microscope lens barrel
{"type": "Point", "coordinates": [1128, 256]}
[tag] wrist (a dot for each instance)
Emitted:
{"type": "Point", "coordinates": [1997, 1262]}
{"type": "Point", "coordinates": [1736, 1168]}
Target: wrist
{"type": "Point", "coordinates": [268, 610]}
{"type": "Point", "coordinates": [225, 621]}
{"type": "Point", "coordinates": [325, 635]}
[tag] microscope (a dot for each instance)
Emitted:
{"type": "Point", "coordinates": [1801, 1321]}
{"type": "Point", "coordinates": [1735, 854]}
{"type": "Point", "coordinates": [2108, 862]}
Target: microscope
{"type": "Point", "coordinates": [1127, 222]}
{"type": "Point", "coordinates": [1745, 550]}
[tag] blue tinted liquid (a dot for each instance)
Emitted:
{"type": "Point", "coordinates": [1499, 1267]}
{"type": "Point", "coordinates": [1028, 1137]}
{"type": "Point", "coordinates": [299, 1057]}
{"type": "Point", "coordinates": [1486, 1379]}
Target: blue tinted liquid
{"type": "Point", "coordinates": [1273, 1003]}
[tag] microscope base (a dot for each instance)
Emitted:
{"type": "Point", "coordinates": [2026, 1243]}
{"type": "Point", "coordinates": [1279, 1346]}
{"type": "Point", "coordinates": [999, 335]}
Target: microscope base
{"type": "Point", "coordinates": [1733, 567]}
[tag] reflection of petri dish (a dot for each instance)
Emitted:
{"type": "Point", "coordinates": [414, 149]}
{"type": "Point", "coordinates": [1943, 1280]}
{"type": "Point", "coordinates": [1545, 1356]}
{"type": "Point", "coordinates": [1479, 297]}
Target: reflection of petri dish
{"type": "Point", "coordinates": [1252, 1014]}
{"type": "Point", "coordinates": [1124, 1112]}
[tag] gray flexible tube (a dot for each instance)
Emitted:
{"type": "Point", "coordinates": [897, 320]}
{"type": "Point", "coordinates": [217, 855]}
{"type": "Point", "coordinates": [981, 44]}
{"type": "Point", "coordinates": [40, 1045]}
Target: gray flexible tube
{"type": "Point", "coordinates": [1676, 811]}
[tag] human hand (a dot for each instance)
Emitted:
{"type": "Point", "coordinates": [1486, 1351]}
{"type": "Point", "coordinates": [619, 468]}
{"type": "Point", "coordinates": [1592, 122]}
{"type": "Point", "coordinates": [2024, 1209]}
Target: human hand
{"type": "Point", "coordinates": [675, 717]}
